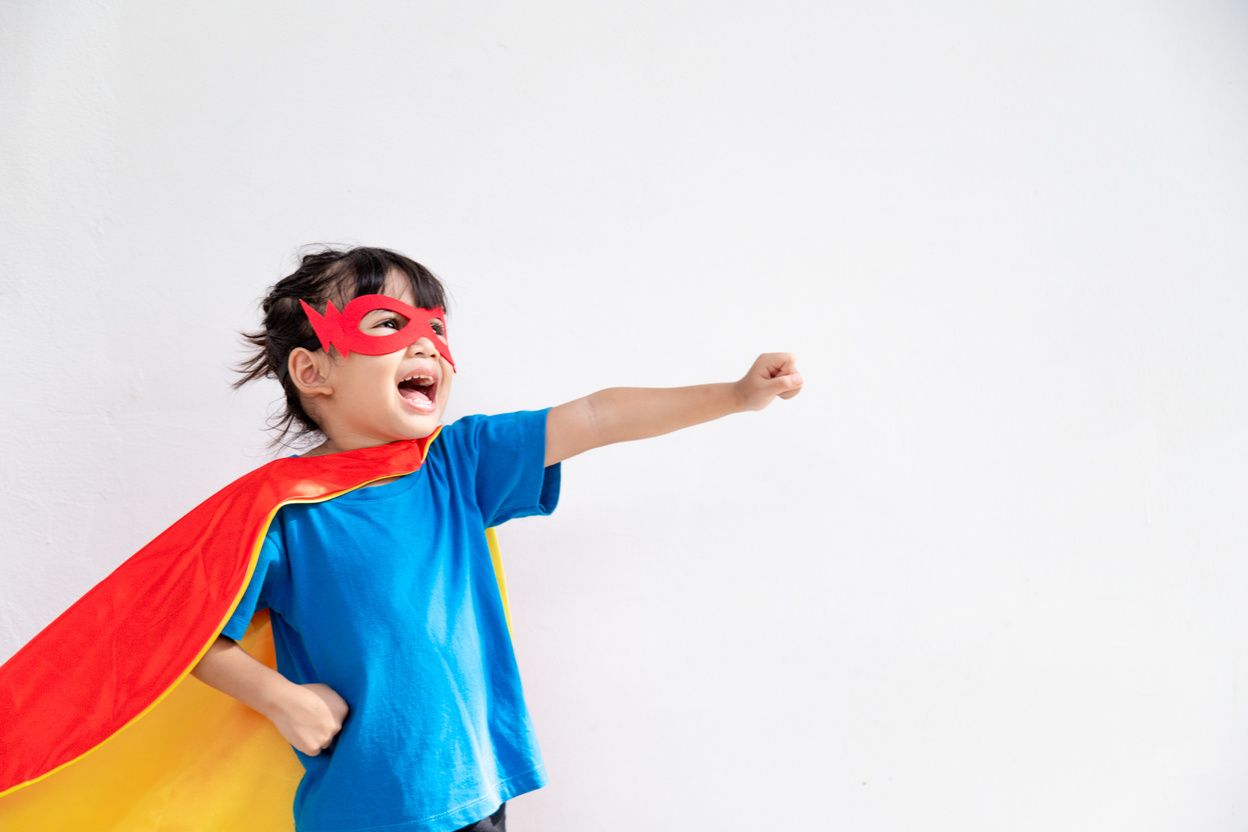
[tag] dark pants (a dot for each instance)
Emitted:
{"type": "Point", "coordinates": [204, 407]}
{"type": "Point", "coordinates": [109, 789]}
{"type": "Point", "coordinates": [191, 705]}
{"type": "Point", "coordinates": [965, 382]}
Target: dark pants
{"type": "Point", "coordinates": [496, 822]}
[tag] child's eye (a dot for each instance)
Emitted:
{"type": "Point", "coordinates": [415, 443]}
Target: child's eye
{"type": "Point", "coordinates": [438, 327]}
{"type": "Point", "coordinates": [391, 321]}
{"type": "Point", "coordinates": [378, 321]}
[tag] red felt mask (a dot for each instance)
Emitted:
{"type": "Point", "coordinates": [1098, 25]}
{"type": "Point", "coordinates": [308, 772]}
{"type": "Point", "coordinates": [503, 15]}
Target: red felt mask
{"type": "Point", "coordinates": [342, 329]}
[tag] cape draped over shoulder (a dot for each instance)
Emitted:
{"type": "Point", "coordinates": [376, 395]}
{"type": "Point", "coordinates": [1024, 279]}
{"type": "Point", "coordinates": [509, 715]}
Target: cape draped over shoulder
{"type": "Point", "coordinates": [95, 730]}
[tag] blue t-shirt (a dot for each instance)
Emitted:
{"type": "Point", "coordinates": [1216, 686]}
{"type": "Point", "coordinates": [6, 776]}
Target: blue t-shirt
{"type": "Point", "coordinates": [387, 594]}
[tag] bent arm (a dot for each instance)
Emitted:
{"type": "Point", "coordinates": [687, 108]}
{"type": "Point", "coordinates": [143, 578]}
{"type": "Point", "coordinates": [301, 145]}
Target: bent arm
{"type": "Point", "coordinates": [622, 414]}
{"type": "Point", "coordinates": [308, 716]}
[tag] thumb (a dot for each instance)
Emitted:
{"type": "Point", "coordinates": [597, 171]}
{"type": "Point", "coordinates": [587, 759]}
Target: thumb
{"type": "Point", "coordinates": [788, 385]}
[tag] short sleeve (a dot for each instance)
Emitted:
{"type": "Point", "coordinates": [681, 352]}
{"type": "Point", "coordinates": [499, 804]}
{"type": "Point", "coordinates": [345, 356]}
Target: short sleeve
{"type": "Point", "coordinates": [512, 479]}
{"type": "Point", "coordinates": [253, 597]}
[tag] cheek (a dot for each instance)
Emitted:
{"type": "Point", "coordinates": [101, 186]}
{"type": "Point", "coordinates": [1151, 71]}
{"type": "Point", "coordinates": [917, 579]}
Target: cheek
{"type": "Point", "coordinates": [373, 371]}
{"type": "Point", "coordinates": [444, 387]}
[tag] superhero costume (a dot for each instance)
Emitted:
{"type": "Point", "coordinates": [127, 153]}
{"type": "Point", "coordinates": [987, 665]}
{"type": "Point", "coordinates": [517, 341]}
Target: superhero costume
{"type": "Point", "coordinates": [116, 655]}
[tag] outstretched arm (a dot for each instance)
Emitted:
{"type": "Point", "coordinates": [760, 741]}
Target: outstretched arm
{"type": "Point", "coordinates": [308, 716]}
{"type": "Point", "coordinates": [621, 414]}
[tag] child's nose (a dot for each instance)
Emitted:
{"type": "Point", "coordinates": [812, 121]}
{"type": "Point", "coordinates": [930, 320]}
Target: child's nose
{"type": "Point", "coordinates": [423, 346]}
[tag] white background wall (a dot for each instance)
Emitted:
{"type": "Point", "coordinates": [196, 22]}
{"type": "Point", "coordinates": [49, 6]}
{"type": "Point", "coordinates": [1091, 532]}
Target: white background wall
{"type": "Point", "coordinates": [986, 573]}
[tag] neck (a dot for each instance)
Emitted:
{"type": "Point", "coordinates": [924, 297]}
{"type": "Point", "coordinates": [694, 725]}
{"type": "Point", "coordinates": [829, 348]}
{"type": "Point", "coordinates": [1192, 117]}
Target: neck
{"type": "Point", "coordinates": [337, 446]}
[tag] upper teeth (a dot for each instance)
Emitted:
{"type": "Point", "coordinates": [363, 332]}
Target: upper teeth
{"type": "Point", "coordinates": [420, 379]}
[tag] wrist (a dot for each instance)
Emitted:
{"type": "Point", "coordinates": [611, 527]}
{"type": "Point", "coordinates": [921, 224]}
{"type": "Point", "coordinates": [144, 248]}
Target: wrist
{"type": "Point", "coordinates": [745, 395]}
{"type": "Point", "coordinates": [277, 697]}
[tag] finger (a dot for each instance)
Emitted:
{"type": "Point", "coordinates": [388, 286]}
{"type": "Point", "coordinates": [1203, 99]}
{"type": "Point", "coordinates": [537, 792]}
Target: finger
{"type": "Point", "coordinates": [792, 385]}
{"type": "Point", "coordinates": [775, 364]}
{"type": "Point", "coordinates": [315, 750]}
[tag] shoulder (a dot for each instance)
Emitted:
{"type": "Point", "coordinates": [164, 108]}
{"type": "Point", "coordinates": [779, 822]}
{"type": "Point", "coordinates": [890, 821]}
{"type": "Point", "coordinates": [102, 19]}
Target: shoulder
{"type": "Point", "coordinates": [492, 448]}
{"type": "Point", "coordinates": [498, 420]}
{"type": "Point", "coordinates": [503, 428]}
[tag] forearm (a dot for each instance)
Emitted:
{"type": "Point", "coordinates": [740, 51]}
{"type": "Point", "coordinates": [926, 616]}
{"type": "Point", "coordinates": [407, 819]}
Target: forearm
{"type": "Point", "coordinates": [621, 414]}
{"type": "Point", "coordinates": [308, 716]}
{"type": "Point", "coordinates": [624, 414]}
{"type": "Point", "coordinates": [231, 670]}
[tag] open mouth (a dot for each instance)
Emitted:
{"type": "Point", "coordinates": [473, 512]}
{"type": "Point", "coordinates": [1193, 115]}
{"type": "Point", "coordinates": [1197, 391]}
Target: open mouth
{"type": "Point", "coordinates": [419, 391]}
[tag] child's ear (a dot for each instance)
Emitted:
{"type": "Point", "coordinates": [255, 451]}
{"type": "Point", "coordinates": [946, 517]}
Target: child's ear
{"type": "Point", "coordinates": [308, 372]}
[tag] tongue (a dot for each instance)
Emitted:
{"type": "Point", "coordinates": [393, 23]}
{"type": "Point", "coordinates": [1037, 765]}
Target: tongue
{"type": "Point", "coordinates": [416, 395]}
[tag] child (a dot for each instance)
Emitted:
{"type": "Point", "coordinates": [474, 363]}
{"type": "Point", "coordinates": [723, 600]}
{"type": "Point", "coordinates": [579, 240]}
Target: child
{"type": "Point", "coordinates": [398, 686]}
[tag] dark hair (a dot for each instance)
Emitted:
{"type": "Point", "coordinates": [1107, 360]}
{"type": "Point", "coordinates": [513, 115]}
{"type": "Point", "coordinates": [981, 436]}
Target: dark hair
{"type": "Point", "coordinates": [323, 275]}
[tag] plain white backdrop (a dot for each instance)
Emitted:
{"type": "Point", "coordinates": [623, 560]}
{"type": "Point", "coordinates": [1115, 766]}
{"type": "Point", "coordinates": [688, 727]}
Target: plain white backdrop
{"type": "Point", "coordinates": [986, 573]}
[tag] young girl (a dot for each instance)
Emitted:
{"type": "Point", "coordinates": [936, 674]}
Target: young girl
{"type": "Point", "coordinates": [396, 682]}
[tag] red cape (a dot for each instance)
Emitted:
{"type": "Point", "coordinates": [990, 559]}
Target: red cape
{"type": "Point", "coordinates": [119, 653]}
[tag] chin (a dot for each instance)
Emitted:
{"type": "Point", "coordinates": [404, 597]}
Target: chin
{"type": "Point", "coordinates": [423, 426]}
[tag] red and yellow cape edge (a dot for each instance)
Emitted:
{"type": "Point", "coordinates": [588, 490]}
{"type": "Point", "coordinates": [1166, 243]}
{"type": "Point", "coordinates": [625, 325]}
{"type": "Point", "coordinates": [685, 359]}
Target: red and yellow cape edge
{"type": "Point", "coordinates": [188, 757]}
